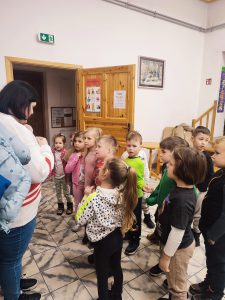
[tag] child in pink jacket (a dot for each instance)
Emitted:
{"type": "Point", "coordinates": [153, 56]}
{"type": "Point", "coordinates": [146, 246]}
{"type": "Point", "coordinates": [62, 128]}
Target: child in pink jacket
{"type": "Point", "coordinates": [75, 165]}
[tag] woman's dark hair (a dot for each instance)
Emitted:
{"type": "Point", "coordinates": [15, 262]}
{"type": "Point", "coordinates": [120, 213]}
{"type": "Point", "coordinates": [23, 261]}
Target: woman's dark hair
{"type": "Point", "coordinates": [190, 165]}
{"type": "Point", "coordinates": [15, 97]}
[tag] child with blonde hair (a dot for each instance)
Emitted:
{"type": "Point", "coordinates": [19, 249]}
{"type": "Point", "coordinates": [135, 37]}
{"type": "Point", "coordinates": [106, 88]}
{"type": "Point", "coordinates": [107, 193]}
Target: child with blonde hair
{"type": "Point", "coordinates": [106, 148]}
{"type": "Point", "coordinates": [91, 136]}
{"type": "Point", "coordinates": [108, 213]}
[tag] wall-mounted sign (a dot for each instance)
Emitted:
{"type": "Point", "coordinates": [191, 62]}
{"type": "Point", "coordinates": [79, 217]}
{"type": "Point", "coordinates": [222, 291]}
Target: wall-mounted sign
{"type": "Point", "coordinates": [220, 106]}
{"type": "Point", "coordinates": [46, 38]}
{"type": "Point", "coordinates": [208, 81]}
{"type": "Point", "coordinates": [63, 117]}
{"type": "Point", "coordinates": [119, 99]}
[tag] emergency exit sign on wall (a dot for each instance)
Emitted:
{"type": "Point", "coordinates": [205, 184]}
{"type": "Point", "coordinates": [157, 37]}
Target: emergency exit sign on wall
{"type": "Point", "coordinates": [46, 38]}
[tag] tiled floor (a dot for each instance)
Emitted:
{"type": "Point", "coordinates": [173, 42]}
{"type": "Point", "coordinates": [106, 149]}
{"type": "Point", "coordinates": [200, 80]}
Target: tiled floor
{"type": "Point", "coordinates": [58, 260]}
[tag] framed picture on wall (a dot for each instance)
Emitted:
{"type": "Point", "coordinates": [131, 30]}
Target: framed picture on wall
{"type": "Point", "coordinates": [63, 117]}
{"type": "Point", "coordinates": [150, 72]}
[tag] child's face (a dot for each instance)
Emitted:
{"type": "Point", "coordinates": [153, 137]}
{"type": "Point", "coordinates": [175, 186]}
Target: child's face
{"type": "Point", "coordinates": [102, 150]}
{"type": "Point", "coordinates": [170, 168]}
{"type": "Point", "coordinates": [89, 140]}
{"type": "Point", "coordinates": [79, 144]}
{"type": "Point", "coordinates": [200, 141]}
{"type": "Point", "coordinates": [133, 147]}
{"type": "Point", "coordinates": [165, 155]}
{"type": "Point", "coordinates": [59, 144]}
{"type": "Point", "coordinates": [219, 155]}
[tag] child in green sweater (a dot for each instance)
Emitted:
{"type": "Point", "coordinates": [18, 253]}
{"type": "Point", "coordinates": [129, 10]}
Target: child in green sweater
{"type": "Point", "coordinates": [165, 186]}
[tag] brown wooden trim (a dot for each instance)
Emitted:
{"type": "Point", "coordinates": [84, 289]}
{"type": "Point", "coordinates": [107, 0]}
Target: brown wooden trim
{"type": "Point", "coordinates": [211, 110]}
{"type": "Point", "coordinates": [10, 61]}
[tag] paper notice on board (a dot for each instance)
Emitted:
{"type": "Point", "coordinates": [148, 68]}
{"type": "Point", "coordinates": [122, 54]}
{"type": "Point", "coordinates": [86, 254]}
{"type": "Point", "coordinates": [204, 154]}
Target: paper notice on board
{"type": "Point", "coordinates": [93, 99]}
{"type": "Point", "coordinates": [119, 99]}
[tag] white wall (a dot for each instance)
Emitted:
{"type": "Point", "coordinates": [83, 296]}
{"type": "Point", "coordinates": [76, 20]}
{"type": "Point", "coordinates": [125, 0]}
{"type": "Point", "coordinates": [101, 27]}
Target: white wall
{"type": "Point", "coordinates": [213, 61]}
{"type": "Point", "coordinates": [94, 33]}
{"type": "Point", "coordinates": [60, 93]}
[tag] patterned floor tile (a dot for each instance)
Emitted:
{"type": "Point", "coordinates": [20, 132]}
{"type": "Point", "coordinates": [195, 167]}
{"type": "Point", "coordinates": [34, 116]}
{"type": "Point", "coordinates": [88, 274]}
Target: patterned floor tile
{"type": "Point", "coordinates": [130, 269]}
{"type": "Point", "coordinates": [72, 250]}
{"type": "Point", "coordinates": [64, 236]}
{"type": "Point", "coordinates": [143, 288]}
{"type": "Point", "coordinates": [49, 259]}
{"type": "Point", "coordinates": [59, 276]}
{"type": "Point", "coordinates": [56, 225]}
{"type": "Point", "coordinates": [73, 291]}
{"type": "Point", "coordinates": [145, 258]}
{"type": "Point", "coordinates": [82, 266]}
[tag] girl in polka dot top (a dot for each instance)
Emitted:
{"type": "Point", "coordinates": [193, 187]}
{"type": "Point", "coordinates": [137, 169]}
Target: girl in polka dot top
{"type": "Point", "coordinates": [108, 213]}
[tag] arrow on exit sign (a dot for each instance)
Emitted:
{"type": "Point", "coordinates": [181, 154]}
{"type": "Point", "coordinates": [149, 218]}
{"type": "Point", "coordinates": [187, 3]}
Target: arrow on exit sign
{"type": "Point", "coordinates": [46, 38]}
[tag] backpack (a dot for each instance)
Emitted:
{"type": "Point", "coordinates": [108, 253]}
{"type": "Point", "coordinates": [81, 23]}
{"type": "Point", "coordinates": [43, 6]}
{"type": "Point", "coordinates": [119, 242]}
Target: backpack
{"type": "Point", "coordinates": [182, 130]}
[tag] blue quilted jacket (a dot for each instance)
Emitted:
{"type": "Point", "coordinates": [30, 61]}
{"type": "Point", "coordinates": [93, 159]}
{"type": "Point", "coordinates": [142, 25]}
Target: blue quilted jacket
{"type": "Point", "coordinates": [13, 155]}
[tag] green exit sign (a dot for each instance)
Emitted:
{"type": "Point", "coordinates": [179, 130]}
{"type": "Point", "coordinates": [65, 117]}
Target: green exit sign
{"type": "Point", "coordinates": [46, 38]}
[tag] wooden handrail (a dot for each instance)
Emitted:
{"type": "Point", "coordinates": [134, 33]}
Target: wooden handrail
{"type": "Point", "coordinates": [206, 115]}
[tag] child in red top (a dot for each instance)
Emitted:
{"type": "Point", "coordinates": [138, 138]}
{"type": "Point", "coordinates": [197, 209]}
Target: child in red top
{"type": "Point", "coordinates": [59, 152]}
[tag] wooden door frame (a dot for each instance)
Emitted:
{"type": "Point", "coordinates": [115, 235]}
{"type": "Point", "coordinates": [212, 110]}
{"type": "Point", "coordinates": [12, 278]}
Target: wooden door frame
{"type": "Point", "coordinates": [10, 61]}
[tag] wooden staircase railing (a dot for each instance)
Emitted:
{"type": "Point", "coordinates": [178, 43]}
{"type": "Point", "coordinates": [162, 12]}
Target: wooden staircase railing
{"type": "Point", "coordinates": [207, 119]}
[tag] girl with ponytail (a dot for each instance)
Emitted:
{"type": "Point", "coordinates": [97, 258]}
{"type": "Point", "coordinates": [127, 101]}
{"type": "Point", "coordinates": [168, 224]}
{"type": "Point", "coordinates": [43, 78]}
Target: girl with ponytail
{"type": "Point", "coordinates": [108, 213]}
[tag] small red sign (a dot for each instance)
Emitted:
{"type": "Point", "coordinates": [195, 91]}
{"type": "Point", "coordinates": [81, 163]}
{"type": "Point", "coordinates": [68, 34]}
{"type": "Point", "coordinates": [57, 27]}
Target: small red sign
{"type": "Point", "coordinates": [208, 81]}
{"type": "Point", "coordinates": [93, 82]}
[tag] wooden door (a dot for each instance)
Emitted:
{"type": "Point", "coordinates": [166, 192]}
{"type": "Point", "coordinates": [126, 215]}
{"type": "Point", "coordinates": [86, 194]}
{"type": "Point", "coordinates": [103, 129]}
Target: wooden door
{"type": "Point", "coordinates": [34, 78]}
{"type": "Point", "coordinates": [106, 100]}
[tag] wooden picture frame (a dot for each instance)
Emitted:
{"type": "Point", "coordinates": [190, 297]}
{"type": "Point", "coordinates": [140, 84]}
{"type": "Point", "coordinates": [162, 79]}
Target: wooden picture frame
{"type": "Point", "coordinates": [150, 72]}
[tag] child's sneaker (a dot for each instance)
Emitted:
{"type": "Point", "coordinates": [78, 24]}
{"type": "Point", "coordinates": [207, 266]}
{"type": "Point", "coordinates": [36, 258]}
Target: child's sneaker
{"type": "Point", "coordinates": [132, 247]}
{"type": "Point", "coordinates": [197, 238]}
{"type": "Point", "coordinates": [156, 271]}
{"type": "Point", "coordinates": [28, 284]}
{"type": "Point", "coordinates": [60, 210]}
{"type": "Point", "coordinates": [148, 221]}
{"type": "Point", "coordinates": [165, 284]}
{"type": "Point", "coordinates": [198, 288]}
{"type": "Point", "coordinates": [69, 209]}
{"type": "Point", "coordinates": [205, 296]}
{"type": "Point", "coordinates": [153, 238]}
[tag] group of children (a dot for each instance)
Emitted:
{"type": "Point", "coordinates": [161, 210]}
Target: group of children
{"type": "Point", "coordinates": [110, 194]}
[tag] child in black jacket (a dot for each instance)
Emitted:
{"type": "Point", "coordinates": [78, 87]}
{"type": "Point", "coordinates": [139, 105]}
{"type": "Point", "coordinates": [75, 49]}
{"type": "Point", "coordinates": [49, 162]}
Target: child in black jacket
{"type": "Point", "coordinates": [212, 226]}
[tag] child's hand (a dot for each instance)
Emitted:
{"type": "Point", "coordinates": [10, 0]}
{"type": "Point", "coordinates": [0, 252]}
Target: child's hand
{"type": "Point", "coordinates": [164, 263]}
{"type": "Point", "coordinates": [148, 189]}
{"type": "Point", "coordinates": [88, 190]}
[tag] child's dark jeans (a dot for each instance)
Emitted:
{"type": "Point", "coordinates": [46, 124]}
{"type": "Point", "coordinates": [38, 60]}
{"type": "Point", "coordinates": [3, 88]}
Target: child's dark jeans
{"type": "Point", "coordinates": [215, 262]}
